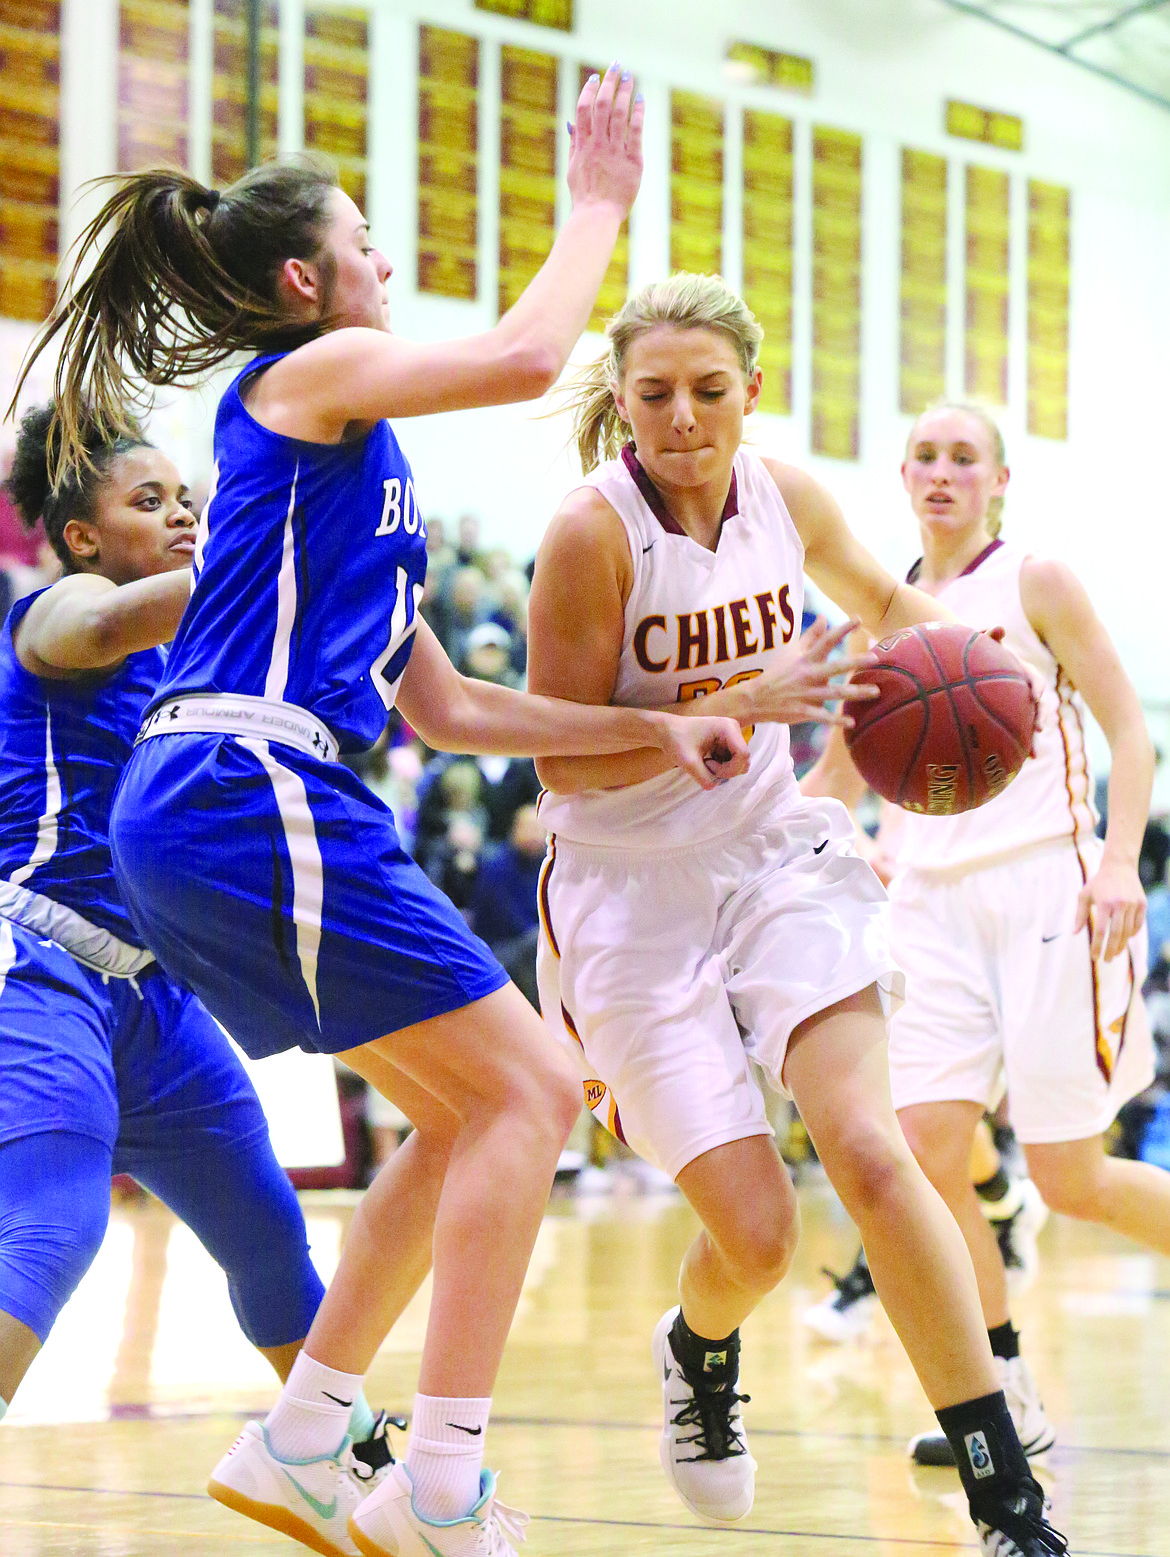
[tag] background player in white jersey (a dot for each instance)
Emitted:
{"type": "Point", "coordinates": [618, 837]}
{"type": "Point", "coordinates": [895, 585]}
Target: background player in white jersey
{"type": "Point", "coordinates": [1020, 933]}
{"type": "Point", "coordinates": [257, 867]}
{"type": "Point", "coordinates": [686, 935]}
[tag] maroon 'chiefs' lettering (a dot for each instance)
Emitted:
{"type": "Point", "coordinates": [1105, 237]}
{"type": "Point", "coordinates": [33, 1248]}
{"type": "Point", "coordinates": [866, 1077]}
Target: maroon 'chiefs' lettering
{"type": "Point", "coordinates": [748, 626]}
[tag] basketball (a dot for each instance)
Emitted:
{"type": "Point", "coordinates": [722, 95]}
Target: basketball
{"type": "Point", "coordinates": [952, 725]}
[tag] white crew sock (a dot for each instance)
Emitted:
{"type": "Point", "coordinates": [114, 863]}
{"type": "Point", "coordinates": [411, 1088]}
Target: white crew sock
{"type": "Point", "coordinates": [311, 1417]}
{"type": "Point", "coordinates": [445, 1454]}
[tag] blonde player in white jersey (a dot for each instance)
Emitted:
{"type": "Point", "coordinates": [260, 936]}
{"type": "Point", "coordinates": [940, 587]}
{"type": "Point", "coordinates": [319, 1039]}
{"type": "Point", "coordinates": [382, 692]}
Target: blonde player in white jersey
{"type": "Point", "coordinates": [1021, 934]}
{"type": "Point", "coordinates": [686, 935]}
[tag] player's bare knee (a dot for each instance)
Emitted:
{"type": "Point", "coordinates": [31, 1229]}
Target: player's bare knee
{"type": "Point", "coordinates": [1072, 1194]}
{"type": "Point", "coordinates": [944, 1165]}
{"type": "Point", "coordinates": [866, 1171]}
{"type": "Point", "coordinates": [547, 1098]}
{"type": "Point", "coordinates": [766, 1249]}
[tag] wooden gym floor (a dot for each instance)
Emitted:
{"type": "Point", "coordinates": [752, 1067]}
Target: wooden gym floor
{"type": "Point", "coordinates": [146, 1381]}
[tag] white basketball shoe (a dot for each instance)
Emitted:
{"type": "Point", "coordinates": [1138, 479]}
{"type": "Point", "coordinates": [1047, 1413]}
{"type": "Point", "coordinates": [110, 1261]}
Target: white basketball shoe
{"type": "Point", "coordinates": [703, 1447]}
{"type": "Point", "coordinates": [310, 1500]}
{"type": "Point", "coordinates": [387, 1524]}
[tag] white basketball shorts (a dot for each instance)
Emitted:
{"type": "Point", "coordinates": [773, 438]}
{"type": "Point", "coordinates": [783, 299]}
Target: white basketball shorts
{"type": "Point", "coordinates": [1000, 991]}
{"type": "Point", "coordinates": [669, 972]}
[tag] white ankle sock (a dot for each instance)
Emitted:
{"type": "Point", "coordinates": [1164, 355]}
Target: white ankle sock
{"type": "Point", "coordinates": [312, 1415]}
{"type": "Point", "coordinates": [445, 1454]}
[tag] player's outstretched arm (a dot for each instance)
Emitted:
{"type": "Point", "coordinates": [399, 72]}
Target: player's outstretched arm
{"type": "Point", "coordinates": [1056, 604]}
{"type": "Point", "coordinates": [355, 375]}
{"type": "Point", "coordinates": [86, 623]}
{"type": "Point", "coordinates": [457, 713]}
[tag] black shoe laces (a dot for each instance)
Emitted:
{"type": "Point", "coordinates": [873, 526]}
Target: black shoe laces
{"type": "Point", "coordinates": [710, 1412]}
{"type": "Point", "coordinates": [1027, 1527]}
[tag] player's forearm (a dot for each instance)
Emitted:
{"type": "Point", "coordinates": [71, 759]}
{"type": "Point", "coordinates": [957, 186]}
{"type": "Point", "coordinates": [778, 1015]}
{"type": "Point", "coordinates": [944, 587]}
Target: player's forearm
{"type": "Point", "coordinates": [553, 310]}
{"type": "Point", "coordinates": [481, 718]}
{"type": "Point", "coordinates": [1131, 779]}
{"type": "Point", "coordinates": [573, 774]}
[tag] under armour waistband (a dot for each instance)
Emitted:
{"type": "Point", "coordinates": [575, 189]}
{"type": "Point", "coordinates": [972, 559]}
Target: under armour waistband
{"type": "Point", "coordinates": [261, 718]}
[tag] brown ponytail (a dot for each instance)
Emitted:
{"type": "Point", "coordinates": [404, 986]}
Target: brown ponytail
{"type": "Point", "coordinates": [186, 278]}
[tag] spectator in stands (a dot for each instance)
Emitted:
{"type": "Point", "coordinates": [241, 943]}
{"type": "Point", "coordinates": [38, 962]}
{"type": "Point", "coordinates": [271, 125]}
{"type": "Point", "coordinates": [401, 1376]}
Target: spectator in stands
{"type": "Point", "coordinates": [460, 606]}
{"type": "Point", "coordinates": [503, 784]}
{"type": "Point", "coordinates": [502, 907]}
{"type": "Point", "coordinates": [511, 612]}
{"type": "Point", "coordinates": [440, 553]}
{"type": "Point", "coordinates": [450, 847]}
{"type": "Point", "coordinates": [467, 550]}
{"type": "Point", "coordinates": [487, 655]}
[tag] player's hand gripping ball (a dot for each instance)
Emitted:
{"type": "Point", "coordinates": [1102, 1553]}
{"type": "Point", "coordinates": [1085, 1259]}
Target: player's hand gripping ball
{"type": "Point", "coordinates": [953, 723]}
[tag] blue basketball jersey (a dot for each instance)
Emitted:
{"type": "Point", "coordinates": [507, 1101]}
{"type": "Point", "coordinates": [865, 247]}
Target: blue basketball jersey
{"type": "Point", "coordinates": [63, 745]}
{"type": "Point", "coordinates": [309, 567]}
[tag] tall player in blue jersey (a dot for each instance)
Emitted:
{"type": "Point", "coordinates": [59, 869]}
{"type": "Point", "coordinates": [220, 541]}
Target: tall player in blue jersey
{"type": "Point", "coordinates": [256, 866]}
{"type": "Point", "coordinates": [107, 1065]}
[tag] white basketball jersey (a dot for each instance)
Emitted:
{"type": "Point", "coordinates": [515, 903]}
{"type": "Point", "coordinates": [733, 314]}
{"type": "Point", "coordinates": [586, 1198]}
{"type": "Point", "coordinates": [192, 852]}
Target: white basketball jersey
{"type": "Point", "coordinates": [696, 620]}
{"type": "Point", "coordinates": [1051, 796]}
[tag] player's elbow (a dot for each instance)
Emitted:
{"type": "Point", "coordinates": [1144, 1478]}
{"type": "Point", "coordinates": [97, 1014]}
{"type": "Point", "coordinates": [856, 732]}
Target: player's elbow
{"type": "Point", "coordinates": [98, 639]}
{"type": "Point", "coordinates": [525, 369]}
{"type": "Point", "coordinates": [534, 368]}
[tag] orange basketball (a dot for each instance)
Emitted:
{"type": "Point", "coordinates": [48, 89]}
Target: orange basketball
{"type": "Point", "coordinates": [953, 724]}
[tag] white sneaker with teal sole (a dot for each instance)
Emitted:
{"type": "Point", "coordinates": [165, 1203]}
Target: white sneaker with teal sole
{"type": "Point", "coordinates": [311, 1500]}
{"type": "Point", "coordinates": [387, 1524]}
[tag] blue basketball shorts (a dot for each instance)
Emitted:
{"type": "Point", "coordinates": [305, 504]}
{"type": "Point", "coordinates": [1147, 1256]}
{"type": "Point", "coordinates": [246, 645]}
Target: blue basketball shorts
{"type": "Point", "coordinates": [275, 885]}
{"type": "Point", "coordinates": [103, 1075]}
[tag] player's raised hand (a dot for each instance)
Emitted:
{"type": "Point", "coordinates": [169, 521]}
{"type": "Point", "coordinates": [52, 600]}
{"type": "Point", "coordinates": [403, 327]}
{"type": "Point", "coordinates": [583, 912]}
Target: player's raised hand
{"type": "Point", "coordinates": [803, 680]}
{"type": "Point", "coordinates": [605, 162]}
{"type": "Point", "coordinates": [710, 750]}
